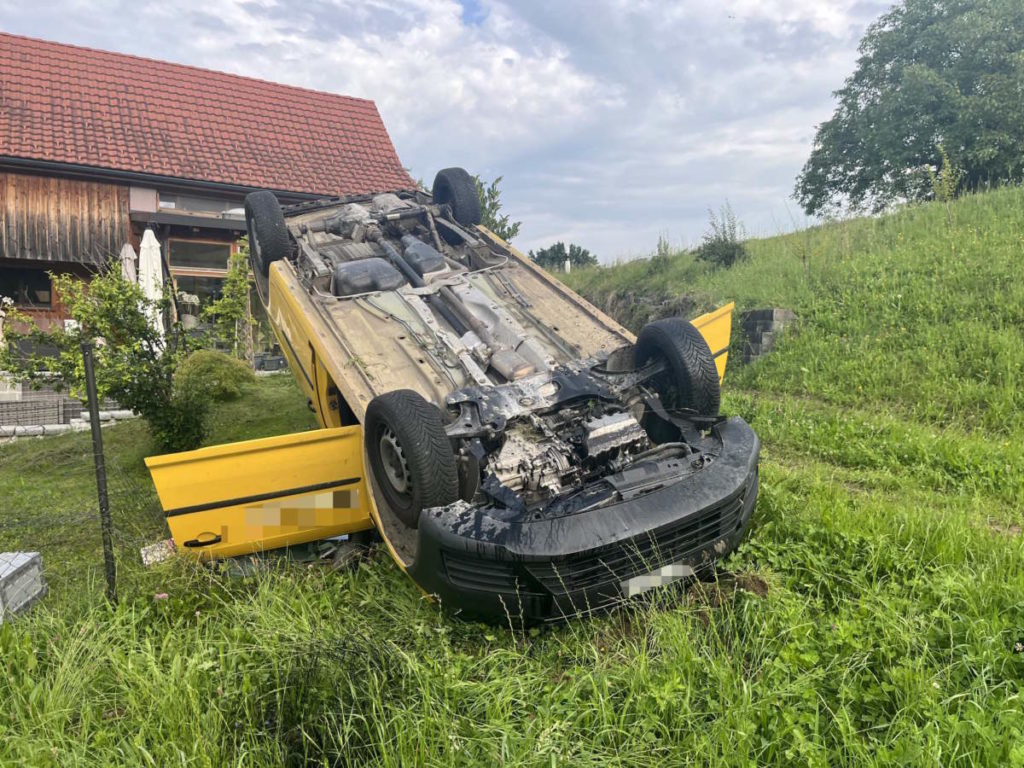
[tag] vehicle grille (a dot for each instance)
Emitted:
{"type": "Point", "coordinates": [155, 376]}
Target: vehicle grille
{"type": "Point", "coordinates": [484, 575]}
{"type": "Point", "coordinates": [612, 564]}
{"type": "Point", "coordinates": [642, 554]}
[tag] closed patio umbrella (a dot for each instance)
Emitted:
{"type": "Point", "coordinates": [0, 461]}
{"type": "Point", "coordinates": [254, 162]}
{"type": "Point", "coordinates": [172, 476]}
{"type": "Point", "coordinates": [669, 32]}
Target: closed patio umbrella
{"type": "Point", "coordinates": [151, 276]}
{"type": "Point", "coordinates": [128, 263]}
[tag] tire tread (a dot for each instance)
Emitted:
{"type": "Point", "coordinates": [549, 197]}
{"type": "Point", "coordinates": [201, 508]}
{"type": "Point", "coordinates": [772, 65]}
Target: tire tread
{"type": "Point", "coordinates": [457, 188]}
{"type": "Point", "coordinates": [420, 432]}
{"type": "Point", "coordinates": [265, 222]}
{"type": "Point", "coordinates": [689, 358]}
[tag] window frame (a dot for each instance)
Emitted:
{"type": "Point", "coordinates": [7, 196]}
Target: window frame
{"type": "Point", "coordinates": [199, 271]}
{"type": "Point", "coordinates": [33, 304]}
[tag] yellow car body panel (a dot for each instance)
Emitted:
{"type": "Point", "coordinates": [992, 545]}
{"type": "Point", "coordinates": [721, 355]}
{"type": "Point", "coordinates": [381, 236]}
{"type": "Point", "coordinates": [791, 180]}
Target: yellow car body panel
{"type": "Point", "coordinates": [716, 328]}
{"type": "Point", "coordinates": [239, 498]}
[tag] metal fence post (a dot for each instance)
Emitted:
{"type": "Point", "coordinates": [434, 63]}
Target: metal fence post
{"type": "Point", "coordinates": [101, 472]}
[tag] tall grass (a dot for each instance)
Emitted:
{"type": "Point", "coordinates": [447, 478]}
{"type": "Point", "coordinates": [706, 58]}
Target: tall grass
{"type": "Point", "coordinates": [871, 617]}
{"type": "Point", "coordinates": [905, 311]}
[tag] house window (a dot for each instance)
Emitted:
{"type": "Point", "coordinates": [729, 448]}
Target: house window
{"type": "Point", "coordinates": [189, 255]}
{"type": "Point", "coordinates": [198, 268]}
{"type": "Point", "coordinates": [28, 287]}
{"type": "Point", "coordinates": [208, 289]}
{"type": "Point", "coordinates": [191, 204]}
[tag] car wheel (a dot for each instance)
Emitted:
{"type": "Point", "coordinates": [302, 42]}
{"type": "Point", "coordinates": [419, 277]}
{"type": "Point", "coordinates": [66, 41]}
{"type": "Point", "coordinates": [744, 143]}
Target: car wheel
{"type": "Point", "coordinates": [268, 235]}
{"type": "Point", "coordinates": [690, 381]}
{"type": "Point", "coordinates": [410, 455]}
{"type": "Point", "coordinates": [456, 188]}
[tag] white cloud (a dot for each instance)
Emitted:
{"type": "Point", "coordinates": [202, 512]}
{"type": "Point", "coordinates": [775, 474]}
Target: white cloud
{"type": "Point", "coordinates": [611, 122]}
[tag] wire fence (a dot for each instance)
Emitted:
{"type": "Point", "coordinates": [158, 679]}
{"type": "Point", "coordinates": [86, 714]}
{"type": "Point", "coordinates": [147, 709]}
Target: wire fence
{"type": "Point", "coordinates": [21, 405]}
{"type": "Point", "coordinates": [71, 511]}
{"type": "Point", "coordinates": [59, 519]}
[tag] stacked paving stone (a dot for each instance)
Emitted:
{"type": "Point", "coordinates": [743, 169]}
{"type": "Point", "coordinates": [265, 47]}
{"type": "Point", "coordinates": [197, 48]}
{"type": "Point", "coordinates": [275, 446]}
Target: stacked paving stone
{"type": "Point", "coordinates": [28, 412]}
{"type": "Point", "coordinates": [762, 327]}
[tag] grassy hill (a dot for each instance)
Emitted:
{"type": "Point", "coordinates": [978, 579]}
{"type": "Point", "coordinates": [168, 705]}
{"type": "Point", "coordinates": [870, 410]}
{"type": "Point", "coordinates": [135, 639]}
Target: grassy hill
{"type": "Point", "coordinates": [870, 618]}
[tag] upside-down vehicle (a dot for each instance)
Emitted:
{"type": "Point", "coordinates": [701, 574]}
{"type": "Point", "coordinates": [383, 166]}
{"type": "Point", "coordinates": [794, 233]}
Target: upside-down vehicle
{"type": "Point", "coordinates": [523, 456]}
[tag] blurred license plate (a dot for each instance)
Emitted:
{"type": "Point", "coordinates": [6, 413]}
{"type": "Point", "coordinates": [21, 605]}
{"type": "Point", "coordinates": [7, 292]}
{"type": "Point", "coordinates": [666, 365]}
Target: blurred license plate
{"type": "Point", "coordinates": [657, 578]}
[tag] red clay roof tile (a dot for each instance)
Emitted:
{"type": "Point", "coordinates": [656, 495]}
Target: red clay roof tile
{"type": "Point", "coordinates": [65, 104]}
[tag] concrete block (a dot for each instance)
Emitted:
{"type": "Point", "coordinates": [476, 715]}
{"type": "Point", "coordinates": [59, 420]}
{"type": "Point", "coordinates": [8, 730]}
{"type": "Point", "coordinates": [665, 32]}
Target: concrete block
{"type": "Point", "coordinates": [121, 415]}
{"type": "Point", "coordinates": [21, 582]}
{"type": "Point", "coordinates": [29, 431]}
{"type": "Point", "coordinates": [104, 415]}
{"type": "Point", "coordinates": [759, 315]}
{"type": "Point", "coordinates": [7, 431]}
{"type": "Point", "coordinates": [56, 429]}
{"type": "Point", "coordinates": [762, 327]}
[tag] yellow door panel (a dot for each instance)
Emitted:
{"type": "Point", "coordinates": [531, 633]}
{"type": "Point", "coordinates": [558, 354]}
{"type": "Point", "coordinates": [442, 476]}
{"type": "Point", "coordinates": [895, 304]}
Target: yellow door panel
{"type": "Point", "coordinates": [716, 328]}
{"type": "Point", "coordinates": [244, 497]}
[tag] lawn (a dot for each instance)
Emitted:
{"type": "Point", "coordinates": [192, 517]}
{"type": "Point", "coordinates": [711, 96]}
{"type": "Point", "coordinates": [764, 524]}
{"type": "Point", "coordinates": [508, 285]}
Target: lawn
{"type": "Point", "coordinates": [873, 615]}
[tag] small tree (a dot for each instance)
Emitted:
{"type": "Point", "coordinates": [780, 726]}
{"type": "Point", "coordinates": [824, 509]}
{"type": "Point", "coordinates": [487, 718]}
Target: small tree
{"type": "Point", "coordinates": [231, 314]}
{"type": "Point", "coordinates": [723, 243]}
{"type": "Point", "coordinates": [490, 206]}
{"type": "Point", "coordinates": [946, 181]}
{"type": "Point", "coordinates": [553, 257]}
{"type": "Point", "coordinates": [134, 362]}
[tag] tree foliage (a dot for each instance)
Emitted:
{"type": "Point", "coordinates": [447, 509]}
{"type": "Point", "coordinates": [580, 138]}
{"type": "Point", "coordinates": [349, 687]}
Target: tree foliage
{"type": "Point", "coordinates": [930, 73]}
{"type": "Point", "coordinates": [554, 256]}
{"type": "Point", "coordinates": [230, 314]}
{"type": "Point", "coordinates": [134, 364]}
{"type": "Point", "coordinates": [490, 206]}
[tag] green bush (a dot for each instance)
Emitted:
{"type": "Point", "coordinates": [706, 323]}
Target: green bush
{"type": "Point", "coordinates": [230, 315]}
{"type": "Point", "coordinates": [723, 243]}
{"type": "Point", "coordinates": [181, 422]}
{"type": "Point", "coordinates": [134, 361]}
{"type": "Point", "coordinates": [210, 375]}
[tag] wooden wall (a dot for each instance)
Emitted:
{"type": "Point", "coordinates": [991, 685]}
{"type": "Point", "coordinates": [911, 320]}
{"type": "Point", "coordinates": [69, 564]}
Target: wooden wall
{"type": "Point", "coordinates": [43, 218]}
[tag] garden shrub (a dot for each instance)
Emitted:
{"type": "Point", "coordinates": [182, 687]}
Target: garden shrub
{"type": "Point", "coordinates": [212, 375]}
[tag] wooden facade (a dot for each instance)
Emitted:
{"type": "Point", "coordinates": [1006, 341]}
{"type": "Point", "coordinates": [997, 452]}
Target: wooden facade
{"type": "Point", "coordinates": [53, 219]}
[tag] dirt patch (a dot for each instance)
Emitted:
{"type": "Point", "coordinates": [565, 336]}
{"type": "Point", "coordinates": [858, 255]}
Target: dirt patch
{"type": "Point", "coordinates": [751, 582]}
{"type": "Point", "coordinates": [716, 593]}
{"type": "Point", "coordinates": [1007, 529]}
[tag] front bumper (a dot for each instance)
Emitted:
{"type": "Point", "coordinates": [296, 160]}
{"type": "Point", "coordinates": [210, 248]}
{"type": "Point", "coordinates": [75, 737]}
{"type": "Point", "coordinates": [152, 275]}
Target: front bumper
{"type": "Point", "coordinates": [532, 571]}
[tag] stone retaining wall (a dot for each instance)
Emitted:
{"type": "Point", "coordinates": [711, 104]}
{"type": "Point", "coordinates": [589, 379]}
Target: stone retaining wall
{"type": "Point", "coordinates": [761, 327]}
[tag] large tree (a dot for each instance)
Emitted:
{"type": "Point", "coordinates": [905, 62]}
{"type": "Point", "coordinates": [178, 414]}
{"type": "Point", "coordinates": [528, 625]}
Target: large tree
{"type": "Point", "coordinates": [930, 73]}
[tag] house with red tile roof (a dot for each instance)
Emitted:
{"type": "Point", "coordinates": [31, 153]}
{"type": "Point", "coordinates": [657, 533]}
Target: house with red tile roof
{"type": "Point", "coordinates": [95, 147]}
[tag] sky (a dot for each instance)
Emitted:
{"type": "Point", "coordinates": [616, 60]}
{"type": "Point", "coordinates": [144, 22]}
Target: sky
{"type": "Point", "coordinates": [611, 123]}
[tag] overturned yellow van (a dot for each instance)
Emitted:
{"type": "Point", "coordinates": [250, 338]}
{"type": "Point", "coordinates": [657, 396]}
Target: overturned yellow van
{"type": "Point", "coordinates": [520, 452]}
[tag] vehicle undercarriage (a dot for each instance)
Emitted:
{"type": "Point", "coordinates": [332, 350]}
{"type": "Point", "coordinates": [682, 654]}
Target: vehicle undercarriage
{"type": "Point", "coordinates": [506, 421]}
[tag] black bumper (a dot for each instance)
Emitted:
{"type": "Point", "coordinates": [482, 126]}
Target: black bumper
{"type": "Point", "coordinates": [542, 570]}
